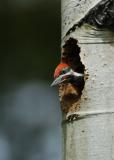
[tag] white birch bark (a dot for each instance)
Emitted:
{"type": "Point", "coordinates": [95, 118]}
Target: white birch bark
{"type": "Point", "coordinates": [91, 137]}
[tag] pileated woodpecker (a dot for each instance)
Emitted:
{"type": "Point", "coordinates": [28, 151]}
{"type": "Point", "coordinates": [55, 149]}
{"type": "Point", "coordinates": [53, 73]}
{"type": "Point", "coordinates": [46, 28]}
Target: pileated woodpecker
{"type": "Point", "coordinates": [70, 69]}
{"type": "Point", "coordinates": [65, 74]}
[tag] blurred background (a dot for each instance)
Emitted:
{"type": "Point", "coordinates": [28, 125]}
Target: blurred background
{"type": "Point", "coordinates": [30, 117]}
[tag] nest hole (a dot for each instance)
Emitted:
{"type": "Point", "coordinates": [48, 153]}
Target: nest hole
{"type": "Point", "coordinates": [71, 56]}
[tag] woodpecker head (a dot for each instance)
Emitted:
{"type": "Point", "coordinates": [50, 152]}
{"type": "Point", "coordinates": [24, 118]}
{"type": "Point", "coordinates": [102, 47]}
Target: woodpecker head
{"type": "Point", "coordinates": [65, 74]}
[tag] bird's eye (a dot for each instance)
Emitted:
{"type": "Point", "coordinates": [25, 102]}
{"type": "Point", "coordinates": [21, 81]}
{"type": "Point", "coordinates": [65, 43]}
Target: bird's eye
{"type": "Point", "coordinates": [63, 71]}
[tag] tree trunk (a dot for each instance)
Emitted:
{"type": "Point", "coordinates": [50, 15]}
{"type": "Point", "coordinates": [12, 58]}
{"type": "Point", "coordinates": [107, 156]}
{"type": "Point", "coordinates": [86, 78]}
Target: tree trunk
{"type": "Point", "coordinates": [91, 135]}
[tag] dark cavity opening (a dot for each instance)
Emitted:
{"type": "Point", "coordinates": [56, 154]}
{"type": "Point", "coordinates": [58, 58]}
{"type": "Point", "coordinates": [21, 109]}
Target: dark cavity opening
{"type": "Point", "coordinates": [71, 56]}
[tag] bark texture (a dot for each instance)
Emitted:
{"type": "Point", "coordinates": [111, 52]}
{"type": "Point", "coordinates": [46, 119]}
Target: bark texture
{"type": "Point", "coordinates": [91, 137]}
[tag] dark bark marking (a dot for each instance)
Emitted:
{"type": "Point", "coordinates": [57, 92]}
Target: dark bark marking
{"type": "Point", "coordinates": [101, 16]}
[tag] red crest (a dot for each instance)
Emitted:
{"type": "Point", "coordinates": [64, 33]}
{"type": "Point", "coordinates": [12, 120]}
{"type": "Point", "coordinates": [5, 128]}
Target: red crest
{"type": "Point", "coordinates": [59, 68]}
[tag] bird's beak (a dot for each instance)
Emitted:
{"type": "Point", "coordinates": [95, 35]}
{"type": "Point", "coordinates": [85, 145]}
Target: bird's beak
{"type": "Point", "coordinates": [58, 81]}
